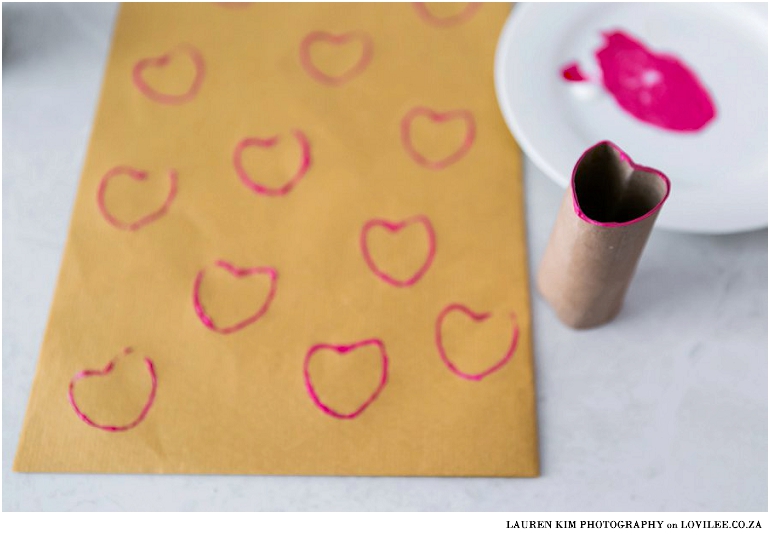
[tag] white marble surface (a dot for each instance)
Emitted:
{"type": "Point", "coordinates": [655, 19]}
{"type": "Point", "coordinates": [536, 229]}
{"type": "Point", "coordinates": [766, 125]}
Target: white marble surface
{"type": "Point", "coordinates": [664, 409]}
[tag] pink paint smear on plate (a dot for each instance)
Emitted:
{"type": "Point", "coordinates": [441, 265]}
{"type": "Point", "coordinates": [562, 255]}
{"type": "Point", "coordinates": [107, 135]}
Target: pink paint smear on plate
{"type": "Point", "coordinates": [656, 88]}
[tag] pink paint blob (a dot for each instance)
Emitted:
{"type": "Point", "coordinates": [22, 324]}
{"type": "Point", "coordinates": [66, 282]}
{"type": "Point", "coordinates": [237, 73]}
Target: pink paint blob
{"type": "Point", "coordinates": [106, 371]}
{"type": "Point", "coordinates": [396, 227]}
{"type": "Point", "coordinates": [572, 73]}
{"type": "Point", "coordinates": [475, 317]}
{"type": "Point", "coordinates": [656, 88]}
{"type": "Point", "coordinates": [238, 273]}
{"type": "Point", "coordinates": [342, 350]}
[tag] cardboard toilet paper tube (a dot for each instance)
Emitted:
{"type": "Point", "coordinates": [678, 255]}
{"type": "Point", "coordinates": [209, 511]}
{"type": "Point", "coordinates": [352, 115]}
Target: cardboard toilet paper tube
{"type": "Point", "coordinates": [603, 224]}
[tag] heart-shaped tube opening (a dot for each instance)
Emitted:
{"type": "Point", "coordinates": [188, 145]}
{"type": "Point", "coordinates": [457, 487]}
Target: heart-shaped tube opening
{"type": "Point", "coordinates": [610, 190]}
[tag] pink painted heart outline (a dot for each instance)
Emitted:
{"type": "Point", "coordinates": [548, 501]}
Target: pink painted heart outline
{"type": "Point", "coordinates": [266, 143]}
{"type": "Point", "coordinates": [134, 174]}
{"type": "Point", "coordinates": [446, 22]}
{"type": "Point", "coordinates": [84, 374]}
{"type": "Point", "coordinates": [397, 227]}
{"type": "Point", "coordinates": [341, 350]}
{"type": "Point", "coordinates": [237, 273]}
{"type": "Point", "coordinates": [437, 117]}
{"type": "Point", "coordinates": [335, 39]}
{"type": "Point", "coordinates": [635, 167]}
{"type": "Point", "coordinates": [476, 318]}
{"type": "Point", "coordinates": [162, 61]}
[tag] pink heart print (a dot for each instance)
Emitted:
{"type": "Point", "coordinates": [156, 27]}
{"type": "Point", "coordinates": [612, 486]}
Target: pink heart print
{"type": "Point", "coordinates": [134, 174]}
{"type": "Point", "coordinates": [85, 374]}
{"type": "Point", "coordinates": [181, 53]}
{"type": "Point", "coordinates": [438, 118]}
{"type": "Point", "coordinates": [344, 350]}
{"type": "Point", "coordinates": [395, 227]}
{"type": "Point", "coordinates": [238, 273]}
{"type": "Point", "coordinates": [445, 22]}
{"type": "Point", "coordinates": [268, 143]}
{"type": "Point", "coordinates": [475, 317]}
{"type": "Point", "coordinates": [317, 74]}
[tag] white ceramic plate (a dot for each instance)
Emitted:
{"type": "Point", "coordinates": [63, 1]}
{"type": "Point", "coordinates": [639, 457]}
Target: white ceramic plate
{"type": "Point", "coordinates": [718, 174]}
